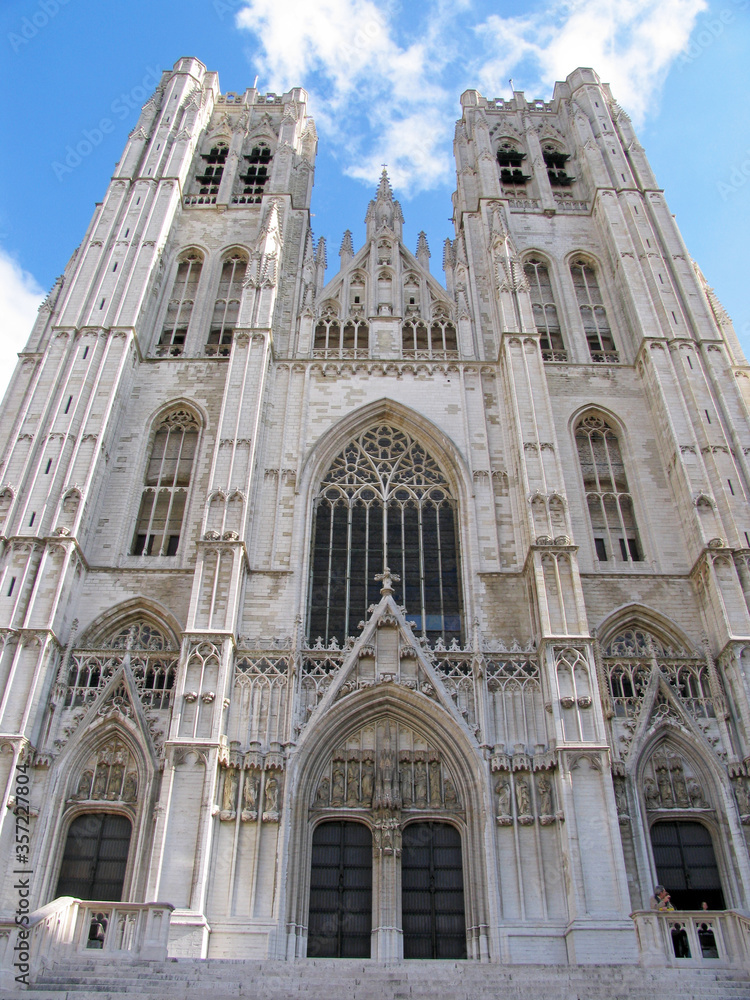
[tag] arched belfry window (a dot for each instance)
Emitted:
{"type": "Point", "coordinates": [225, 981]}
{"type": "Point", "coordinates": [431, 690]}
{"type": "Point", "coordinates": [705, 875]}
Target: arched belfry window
{"type": "Point", "coordinates": [168, 473]}
{"type": "Point", "coordinates": [385, 502]}
{"type": "Point", "coordinates": [180, 307]}
{"type": "Point", "coordinates": [227, 305]}
{"type": "Point", "coordinates": [593, 314]}
{"type": "Point", "coordinates": [607, 495]}
{"type": "Point", "coordinates": [545, 310]}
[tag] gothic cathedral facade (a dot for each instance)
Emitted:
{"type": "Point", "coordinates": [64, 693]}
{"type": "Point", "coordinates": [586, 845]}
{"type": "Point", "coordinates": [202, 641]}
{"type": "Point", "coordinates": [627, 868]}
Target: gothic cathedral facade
{"type": "Point", "coordinates": [379, 616]}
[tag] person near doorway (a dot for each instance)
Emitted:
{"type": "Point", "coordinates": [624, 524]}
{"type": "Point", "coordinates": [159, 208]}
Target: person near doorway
{"type": "Point", "coordinates": [660, 899]}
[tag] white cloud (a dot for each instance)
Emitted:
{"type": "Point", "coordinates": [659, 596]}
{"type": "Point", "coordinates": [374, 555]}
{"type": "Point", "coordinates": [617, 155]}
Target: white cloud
{"type": "Point", "coordinates": [377, 100]}
{"type": "Point", "coordinates": [20, 297]}
{"type": "Point", "coordinates": [630, 43]}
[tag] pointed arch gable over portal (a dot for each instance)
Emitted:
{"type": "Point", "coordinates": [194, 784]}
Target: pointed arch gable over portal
{"type": "Point", "coordinates": [387, 747]}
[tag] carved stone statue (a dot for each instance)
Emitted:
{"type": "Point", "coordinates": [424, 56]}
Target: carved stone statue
{"type": "Point", "coordinates": [502, 788]}
{"type": "Point", "coordinates": [743, 797]}
{"type": "Point", "coordinates": [544, 787]}
{"type": "Point", "coordinates": [368, 779]}
{"type": "Point", "coordinates": [229, 797]}
{"type": "Point", "coordinates": [651, 794]}
{"type": "Point", "coordinates": [665, 788]}
{"type": "Point", "coordinates": [523, 800]}
{"type": "Point", "coordinates": [697, 799]}
{"type": "Point", "coordinates": [130, 788]}
{"type": "Point", "coordinates": [678, 783]}
{"type": "Point", "coordinates": [420, 784]}
{"type": "Point", "coordinates": [405, 773]}
{"type": "Point", "coordinates": [84, 785]}
{"type": "Point", "coordinates": [323, 793]}
{"type": "Point", "coordinates": [435, 796]}
{"type": "Point", "coordinates": [271, 812]}
{"type": "Point", "coordinates": [449, 790]}
{"type": "Point", "coordinates": [621, 798]}
{"type": "Point", "coordinates": [352, 784]}
{"type": "Point", "coordinates": [115, 781]}
{"type": "Point", "coordinates": [250, 797]}
{"type": "Point", "coordinates": [337, 793]}
{"type": "Point", "coordinates": [100, 782]}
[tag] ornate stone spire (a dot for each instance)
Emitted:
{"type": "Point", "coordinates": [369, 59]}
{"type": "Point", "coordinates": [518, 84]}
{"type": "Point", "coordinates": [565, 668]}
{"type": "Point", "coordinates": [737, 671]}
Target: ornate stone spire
{"type": "Point", "coordinates": [384, 212]}
{"type": "Point", "coordinates": [423, 250]}
{"type": "Point", "coordinates": [347, 249]}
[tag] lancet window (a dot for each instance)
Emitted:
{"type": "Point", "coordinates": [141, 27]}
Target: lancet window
{"type": "Point", "coordinates": [545, 310]}
{"type": "Point", "coordinates": [168, 473]}
{"type": "Point", "coordinates": [341, 340]}
{"type": "Point", "coordinates": [510, 161]}
{"type": "Point", "coordinates": [436, 341]}
{"type": "Point", "coordinates": [208, 174]}
{"type": "Point", "coordinates": [227, 305]}
{"type": "Point", "coordinates": [385, 502]}
{"type": "Point", "coordinates": [257, 171]}
{"type": "Point", "coordinates": [593, 314]}
{"type": "Point", "coordinates": [607, 495]}
{"type": "Point", "coordinates": [180, 306]}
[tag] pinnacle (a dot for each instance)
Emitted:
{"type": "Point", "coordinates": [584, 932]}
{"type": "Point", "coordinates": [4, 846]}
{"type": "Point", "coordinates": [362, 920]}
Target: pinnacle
{"type": "Point", "coordinates": [346, 243]}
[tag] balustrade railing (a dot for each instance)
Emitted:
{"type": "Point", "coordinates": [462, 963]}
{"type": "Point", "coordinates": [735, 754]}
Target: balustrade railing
{"type": "Point", "coordinates": [688, 938]}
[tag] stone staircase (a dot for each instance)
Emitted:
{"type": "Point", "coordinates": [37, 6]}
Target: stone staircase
{"type": "Point", "coordinates": [354, 979]}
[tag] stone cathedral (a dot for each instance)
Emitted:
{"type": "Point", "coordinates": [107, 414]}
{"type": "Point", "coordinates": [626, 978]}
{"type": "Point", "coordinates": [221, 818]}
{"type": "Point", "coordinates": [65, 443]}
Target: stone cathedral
{"type": "Point", "coordinates": [372, 614]}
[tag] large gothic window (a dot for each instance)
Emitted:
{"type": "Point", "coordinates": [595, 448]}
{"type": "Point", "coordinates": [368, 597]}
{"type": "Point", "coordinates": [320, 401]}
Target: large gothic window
{"type": "Point", "coordinates": [385, 502]}
{"type": "Point", "coordinates": [607, 495]}
{"type": "Point", "coordinates": [227, 305]}
{"type": "Point", "coordinates": [180, 307]}
{"type": "Point", "coordinates": [168, 472]}
{"type": "Point", "coordinates": [593, 314]}
{"type": "Point", "coordinates": [545, 311]}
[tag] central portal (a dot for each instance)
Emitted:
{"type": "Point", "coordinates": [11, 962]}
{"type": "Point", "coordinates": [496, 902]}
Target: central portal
{"type": "Point", "coordinates": [432, 892]}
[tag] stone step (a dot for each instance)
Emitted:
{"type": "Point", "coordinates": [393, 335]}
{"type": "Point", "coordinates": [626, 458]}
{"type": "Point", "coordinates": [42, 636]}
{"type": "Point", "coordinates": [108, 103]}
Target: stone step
{"type": "Point", "coordinates": [320, 979]}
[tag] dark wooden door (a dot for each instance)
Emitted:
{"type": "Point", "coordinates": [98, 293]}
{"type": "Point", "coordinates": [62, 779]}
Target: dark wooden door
{"type": "Point", "coordinates": [686, 864]}
{"type": "Point", "coordinates": [340, 920]}
{"type": "Point", "coordinates": [96, 856]}
{"type": "Point", "coordinates": [432, 892]}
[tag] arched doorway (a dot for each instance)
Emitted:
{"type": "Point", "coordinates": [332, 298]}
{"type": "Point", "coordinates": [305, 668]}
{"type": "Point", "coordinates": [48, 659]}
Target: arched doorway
{"type": "Point", "coordinates": [686, 864]}
{"type": "Point", "coordinates": [432, 892]}
{"type": "Point", "coordinates": [95, 857]}
{"type": "Point", "coordinates": [340, 915]}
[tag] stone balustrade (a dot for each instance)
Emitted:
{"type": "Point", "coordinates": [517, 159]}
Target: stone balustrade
{"type": "Point", "coordinates": [69, 926]}
{"type": "Point", "coordinates": [704, 938]}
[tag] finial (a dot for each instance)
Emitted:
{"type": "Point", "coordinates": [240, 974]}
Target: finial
{"type": "Point", "coordinates": [388, 579]}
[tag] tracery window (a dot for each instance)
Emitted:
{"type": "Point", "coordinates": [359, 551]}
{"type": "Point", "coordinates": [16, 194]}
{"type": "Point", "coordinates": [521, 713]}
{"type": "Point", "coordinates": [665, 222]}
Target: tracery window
{"type": "Point", "coordinates": [633, 654]}
{"type": "Point", "coordinates": [164, 497]}
{"type": "Point", "coordinates": [510, 160]}
{"type": "Point", "coordinates": [436, 341]}
{"type": "Point", "coordinates": [144, 648]}
{"type": "Point", "coordinates": [180, 307]}
{"type": "Point", "coordinates": [545, 311]}
{"type": "Point", "coordinates": [607, 495]}
{"type": "Point", "coordinates": [336, 340]}
{"type": "Point", "coordinates": [227, 305]}
{"type": "Point", "coordinates": [385, 502]}
{"type": "Point", "coordinates": [255, 177]}
{"type": "Point", "coordinates": [593, 314]}
{"type": "Point", "coordinates": [554, 161]}
{"type": "Point", "coordinates": [208, 176]}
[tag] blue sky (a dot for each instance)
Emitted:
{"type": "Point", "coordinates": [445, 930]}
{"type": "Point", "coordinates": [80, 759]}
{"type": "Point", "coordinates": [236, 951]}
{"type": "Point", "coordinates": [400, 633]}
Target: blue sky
{"type": "Point", "coordinates": [384, 81]}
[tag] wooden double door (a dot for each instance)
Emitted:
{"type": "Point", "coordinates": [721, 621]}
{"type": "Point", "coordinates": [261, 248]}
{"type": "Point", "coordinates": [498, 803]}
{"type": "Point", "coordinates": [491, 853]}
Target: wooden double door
{"type": "Point", "coordinates": [432, 894]}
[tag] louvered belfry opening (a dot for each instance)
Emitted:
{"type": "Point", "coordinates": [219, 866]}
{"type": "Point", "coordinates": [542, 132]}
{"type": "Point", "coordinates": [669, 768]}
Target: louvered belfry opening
{"type": "Point", "coordinates": [95, 857]}
{"type": "Point", "coordinates": [385, 502]}
{"type": "Point", "coordinates": [686, 864]}
{"type": "Point", "coordinates": [432, 892]}
{"type": "Point", "coordinates": [340, 920]}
